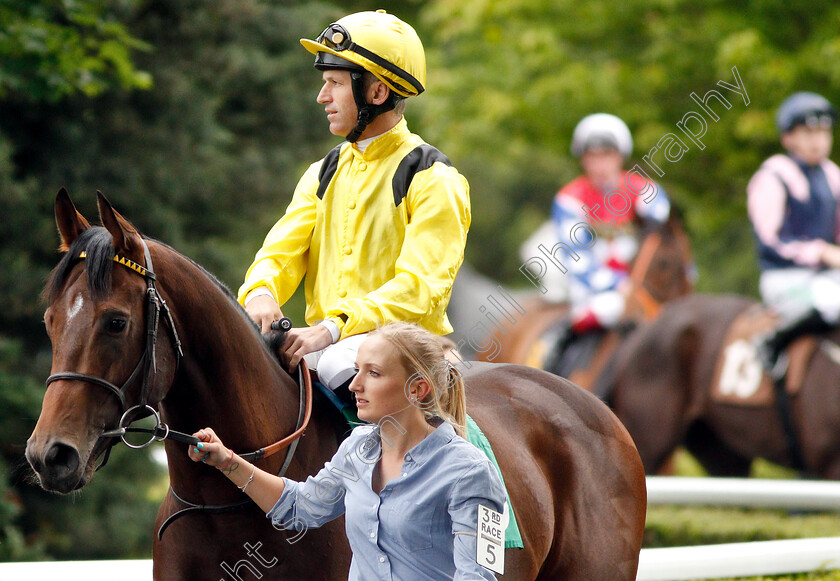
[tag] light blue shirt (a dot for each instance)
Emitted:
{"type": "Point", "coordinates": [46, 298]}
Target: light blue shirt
{"type": "Point", "coordinates": [423, 523]}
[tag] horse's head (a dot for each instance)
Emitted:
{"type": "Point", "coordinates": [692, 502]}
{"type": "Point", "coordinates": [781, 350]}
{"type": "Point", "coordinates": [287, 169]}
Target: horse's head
{"type": "Point", "coordinates": [98, 323]}
{"type": "Point", "coordinates": [663, 269]}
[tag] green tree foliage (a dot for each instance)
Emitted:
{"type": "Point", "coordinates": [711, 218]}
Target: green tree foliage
{"type": "Point", "coordinates": [49, 50]}
{"type": "Point", "coordinates": [509, 80]}
{"type": "Point", "coordinates": [53, 48]}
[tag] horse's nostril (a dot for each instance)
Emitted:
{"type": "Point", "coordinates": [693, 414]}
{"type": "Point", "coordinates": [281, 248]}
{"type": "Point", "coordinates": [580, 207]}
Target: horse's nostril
{"type": "Point", "coordinates": [62, 458]}
{"type": "Point", "coordinates": [35, 463]}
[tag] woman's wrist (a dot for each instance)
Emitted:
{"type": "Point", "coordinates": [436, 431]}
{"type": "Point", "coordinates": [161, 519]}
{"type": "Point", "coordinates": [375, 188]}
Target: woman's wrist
{"type": "Point", "coordinates": [231, 469]}
{"type": "Point", "coordinates": [227, 464]}
{"type": "Point", "coordinates": [250, 479]}
{"type": "Point", "coordinates": [240, 478]}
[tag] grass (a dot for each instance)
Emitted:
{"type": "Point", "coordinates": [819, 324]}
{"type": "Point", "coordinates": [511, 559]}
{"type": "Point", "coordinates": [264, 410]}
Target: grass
{"type": "Point", "coordinates": [818, 576]}
{"type": "Point", "coordinates": [679, 526]}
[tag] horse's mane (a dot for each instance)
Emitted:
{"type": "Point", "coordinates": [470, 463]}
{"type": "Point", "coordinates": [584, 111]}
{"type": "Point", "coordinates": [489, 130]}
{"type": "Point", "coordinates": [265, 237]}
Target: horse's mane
{"type": "Point", "coordinates": [272, 340]}
{"type": "Point", "coordinates": [96, 242]}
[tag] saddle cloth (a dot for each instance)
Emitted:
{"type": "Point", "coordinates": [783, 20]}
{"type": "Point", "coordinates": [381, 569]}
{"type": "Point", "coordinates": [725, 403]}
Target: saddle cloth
{"type": "Point", "coordinates": [739, 377]}
{"type": "Point", "coordinates": [513, 539]}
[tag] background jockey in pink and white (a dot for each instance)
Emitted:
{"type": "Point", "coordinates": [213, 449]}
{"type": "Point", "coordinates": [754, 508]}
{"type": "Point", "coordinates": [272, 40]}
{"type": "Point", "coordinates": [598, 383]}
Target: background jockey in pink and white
{"type": "Point", "coordinates": [602, 143]}
{"type": "Point", "coordinates": [792, 202]}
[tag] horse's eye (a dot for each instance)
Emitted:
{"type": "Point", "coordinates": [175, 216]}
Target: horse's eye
{"type": "Point", "coordinates": [116, 325]}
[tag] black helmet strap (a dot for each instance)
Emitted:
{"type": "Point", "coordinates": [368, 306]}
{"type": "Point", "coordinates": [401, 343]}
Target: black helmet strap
{"type": "Point", "coordinates": [367, 111]}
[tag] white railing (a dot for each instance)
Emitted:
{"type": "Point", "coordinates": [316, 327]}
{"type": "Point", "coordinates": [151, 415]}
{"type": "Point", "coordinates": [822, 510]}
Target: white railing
{"type": "Point", "coordinates": [745, 492]}
{"type": "Point", "coordinates": [138, 570]}
{"type": "Point", "coordinates": [669, 564]}
{"type": "Point", "coordinates": [742, 559]}
{"type": "Point", "coordinates": [739, 559]}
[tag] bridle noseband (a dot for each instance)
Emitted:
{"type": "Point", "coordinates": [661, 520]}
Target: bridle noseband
{"type": "Point", "coordinates": [147, 365]}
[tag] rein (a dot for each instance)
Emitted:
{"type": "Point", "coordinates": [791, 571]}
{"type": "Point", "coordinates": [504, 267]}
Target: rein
{"type": "Point", "coordinates": [304, 414]}
{"type": "Point", "coordinates": [147, 364]}
{"type": "Point", "coordinates": [650, 305]}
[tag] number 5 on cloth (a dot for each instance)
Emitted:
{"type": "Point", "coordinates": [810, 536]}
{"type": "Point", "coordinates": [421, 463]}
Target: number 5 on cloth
{"type": "Point", "coordinates": [490, 545]}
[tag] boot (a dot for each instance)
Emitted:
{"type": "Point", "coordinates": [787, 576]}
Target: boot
{"type": "Point", "coordinates": [773, 346]}
{"type": "Point", "coordinates": [348, 409]}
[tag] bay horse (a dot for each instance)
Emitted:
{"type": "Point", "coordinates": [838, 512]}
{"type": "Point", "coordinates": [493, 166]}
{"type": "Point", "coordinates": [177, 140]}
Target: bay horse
{"type": "Point", "coordinates": [661, 272]}
{"type": "Point", "coordinates": [662, 390]}
{"type": "Point", "coordinates": [574, 477]}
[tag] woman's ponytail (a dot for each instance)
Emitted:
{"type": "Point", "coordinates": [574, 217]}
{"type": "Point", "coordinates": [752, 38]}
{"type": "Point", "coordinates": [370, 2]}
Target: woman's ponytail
{"type": "Point", "coordinates": [422, 354]}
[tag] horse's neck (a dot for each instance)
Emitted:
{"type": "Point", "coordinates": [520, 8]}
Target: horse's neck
{"type": "Point", "coordinates": [650, 290]}
{"type": "Point", "coordinates": [227, 379]}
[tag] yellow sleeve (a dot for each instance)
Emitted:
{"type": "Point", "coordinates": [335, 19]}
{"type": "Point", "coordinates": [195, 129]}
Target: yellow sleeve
{"type": "Point", "coordinates": [281, 262]}
{"type": "Point", "coordinates": [438, 208]}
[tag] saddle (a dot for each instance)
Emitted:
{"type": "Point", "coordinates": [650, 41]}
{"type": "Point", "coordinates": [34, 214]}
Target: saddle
{"type": "Point", "coordinates": [740, 377]}
{"type": "Point", "coordinates": [564, 354]}
{"type": "Point", "coordinates": [585, 358]}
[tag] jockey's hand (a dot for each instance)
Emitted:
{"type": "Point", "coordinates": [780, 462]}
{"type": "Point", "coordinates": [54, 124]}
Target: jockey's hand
{"type": "Point", "coordinates": [264, 310]}
{"type": "Point", "coordinates": [212, 452]}
{"type": "Point", "coordinates": [830, 256]}
{"type": "Point", "coordinates": [300, 342]}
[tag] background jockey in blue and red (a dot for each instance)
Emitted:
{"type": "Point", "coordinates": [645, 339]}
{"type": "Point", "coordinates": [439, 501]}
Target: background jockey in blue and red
{"type": "Point", "coordinates": [600, 197]}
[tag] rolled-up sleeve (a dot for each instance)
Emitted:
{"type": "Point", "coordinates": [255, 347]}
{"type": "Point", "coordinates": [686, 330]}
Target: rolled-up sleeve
{"type": "Point", "coordinates": [301, 507]}
{"type": "Point", "coordinates": [480, 484]}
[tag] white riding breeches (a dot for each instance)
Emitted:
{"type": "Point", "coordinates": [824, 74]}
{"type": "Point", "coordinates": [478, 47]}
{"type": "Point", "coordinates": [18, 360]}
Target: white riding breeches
{"type": "Point", "coordinates": [795, 291]}
{"type": "Point", "coordinates": [337, 363]}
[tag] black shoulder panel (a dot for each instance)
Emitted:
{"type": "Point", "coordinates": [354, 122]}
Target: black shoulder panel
{"type": "Point", "coordinates": [421, 158]}
{"type": "Point", "coordinates": [328, 168]}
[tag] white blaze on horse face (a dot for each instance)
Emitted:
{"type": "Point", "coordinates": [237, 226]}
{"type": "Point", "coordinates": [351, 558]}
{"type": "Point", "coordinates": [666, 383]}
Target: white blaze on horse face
{"type": "Point", "coordinates": [75, 307]}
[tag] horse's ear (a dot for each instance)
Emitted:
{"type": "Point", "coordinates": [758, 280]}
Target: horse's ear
{"type": "Point", "coordinates": [126, 238]}
{"type": "Point", "coordinates": [68, 219]}
{"type": "Point", "coordinates": [675, 217]}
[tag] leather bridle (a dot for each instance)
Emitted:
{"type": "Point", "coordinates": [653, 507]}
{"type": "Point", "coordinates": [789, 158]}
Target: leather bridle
{"type": "Point", "coordinates": [147, 367]}
{"type": "Point", "coordinates": [147, 364]}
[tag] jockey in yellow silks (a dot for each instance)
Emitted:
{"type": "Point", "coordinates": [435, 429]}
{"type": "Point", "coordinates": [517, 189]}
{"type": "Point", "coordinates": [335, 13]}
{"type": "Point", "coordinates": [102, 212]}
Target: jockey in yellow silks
{"type": "Point", "coordinates": [376, 229]}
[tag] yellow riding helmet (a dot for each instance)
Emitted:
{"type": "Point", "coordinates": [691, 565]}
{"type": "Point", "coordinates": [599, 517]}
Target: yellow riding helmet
{"type": "Point", "coordinates": [379, 43]}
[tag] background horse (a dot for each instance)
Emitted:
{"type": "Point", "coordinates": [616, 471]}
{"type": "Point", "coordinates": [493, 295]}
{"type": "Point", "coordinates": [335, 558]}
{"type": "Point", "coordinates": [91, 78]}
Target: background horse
{"type": "Point", "coordinates": [572, 472]}
{"type": "Point", "coordinates": [661, 271]}
{"type": "Point", "coordinates": [662, 391]}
